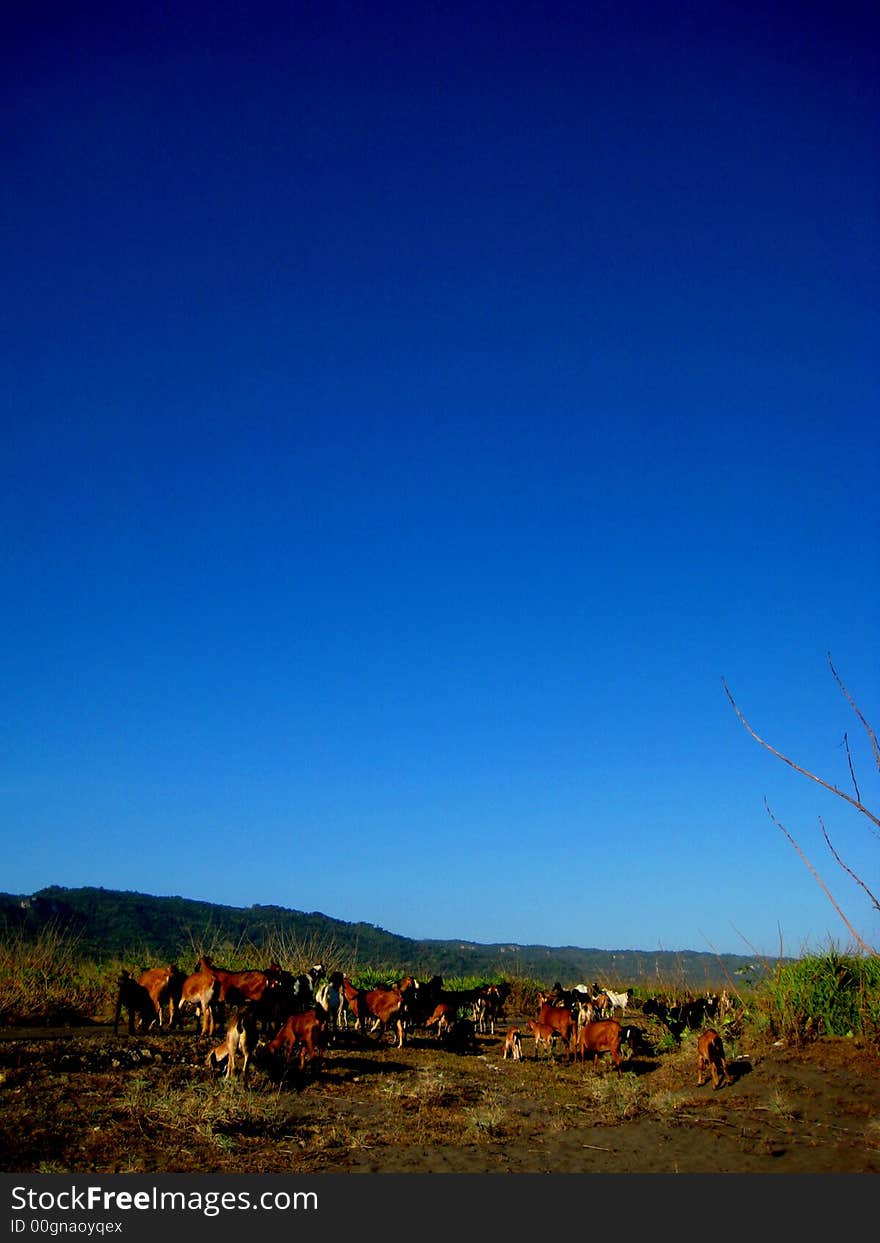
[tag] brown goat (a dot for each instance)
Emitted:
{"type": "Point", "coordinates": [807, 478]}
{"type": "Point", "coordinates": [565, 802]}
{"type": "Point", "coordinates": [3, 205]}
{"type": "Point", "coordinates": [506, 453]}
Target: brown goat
{"type": "Point", "coordinates": [443, 1015]}
{"type": "Point", "coordinates": [604, 1036]}
{"type": "Point", "coordinates": [199, 990]}
{"type": "Point", "coordinates": [302, 1033]}
{"type": "Point", "coordinates": [544, 1036]}
{"type": "Point", "coordinates": [384, 1006]}
{"type": "Point", "coordinates": [165, 985]}
{"type": "Point", "coordinates": [710, 1053]}
{"type": "Point", "coordinates": [562, 1021]}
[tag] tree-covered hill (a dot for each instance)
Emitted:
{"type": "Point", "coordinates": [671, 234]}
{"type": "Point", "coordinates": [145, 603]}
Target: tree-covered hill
{"type": "Point", "coordinates": [112, 923]}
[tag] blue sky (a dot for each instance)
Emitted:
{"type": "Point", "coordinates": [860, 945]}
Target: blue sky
{"type": "Point", "coordinates": [411, 414]}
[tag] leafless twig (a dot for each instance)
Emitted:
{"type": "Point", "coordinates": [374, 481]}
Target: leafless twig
{"type": "Point", "coordinates": [852, 703]}
{"type": "Point", "coordinates": [825, 889]}
{"type": "Point", "coordinates": [846, 869]}
{"type": "Point", "coordinates": [852, 771]}
{"type": "Point", "coordinates": [806, 773]}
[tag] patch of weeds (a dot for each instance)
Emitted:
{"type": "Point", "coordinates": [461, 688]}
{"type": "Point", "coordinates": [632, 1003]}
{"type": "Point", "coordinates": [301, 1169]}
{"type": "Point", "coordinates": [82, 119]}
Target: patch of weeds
{"type": "Point", "coordinates": [137, 1099]}
{"type": "Point", "coordinates": [339, 1135]}
{"type": "Point", "coordinates": [664, 1104]}
{"type": "Point", "coordinates": [688, 1042]}
{"type": "Point", "coordinates": [763, 1027]}
{"type": "Point", "coordinates": [827, 994]}
{"type": "Point", "coordinates": [217, 1114]}
{"type": "Point", "coordinates": [666, 1043]}
{"type": "Point", "coordinates": [779, 1105]}
{"type": "Point", "coordinates": [731, 1048]}
{"type": "Point", "coordinates": [136, 1086]}
{"type": "Point", "coordinates": [395, 1089]}
{"type": "Point", "coordinates": [484, 1120]}
{"type": "Point", "coordinates": [310, 1138]}
{"type": "Point", "coordinates": [618, 1096]}
{"type": "Point", "coordinates": [872, 1133]}
{"type": "Point", "coordinates": [431, 1089]}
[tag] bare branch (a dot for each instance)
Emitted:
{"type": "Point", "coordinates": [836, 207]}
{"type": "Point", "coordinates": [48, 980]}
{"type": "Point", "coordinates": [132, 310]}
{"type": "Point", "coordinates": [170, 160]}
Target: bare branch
{"type": "Point", "coordinates": [848, 871]}
{"type": "Point", "coordinates": [805, 772]}
{"type": "Point", "coordinates": [824, 887]}
{"type": "Point", "coordinates": [853, 705]}
{"type": "Point", "coordinates": [852, 771]}
{"type": "Point", "coordinates": [757, 953]}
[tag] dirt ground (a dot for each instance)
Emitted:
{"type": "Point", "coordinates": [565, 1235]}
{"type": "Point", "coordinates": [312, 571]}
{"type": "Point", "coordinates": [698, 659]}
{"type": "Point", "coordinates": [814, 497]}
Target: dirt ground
{"type": "Point", "coordinates": [83, 1100]}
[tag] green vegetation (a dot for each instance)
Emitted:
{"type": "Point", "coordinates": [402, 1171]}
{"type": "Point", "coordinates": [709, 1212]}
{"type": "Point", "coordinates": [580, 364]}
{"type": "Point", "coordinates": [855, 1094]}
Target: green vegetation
{"type": "Point", "coordinates": [832, 994]}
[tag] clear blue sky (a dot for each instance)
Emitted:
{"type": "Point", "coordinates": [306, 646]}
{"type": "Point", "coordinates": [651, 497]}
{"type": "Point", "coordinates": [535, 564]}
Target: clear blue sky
{"type": "Point", "coordinates": [411, 413]}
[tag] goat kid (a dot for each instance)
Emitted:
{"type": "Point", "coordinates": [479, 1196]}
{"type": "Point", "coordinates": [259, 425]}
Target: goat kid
{"type": "Point", "coordinates": [241, 1038]}
{"type": "Point", "coordinates": [513, 1045]}
{"type": "Point", "coordinates": [544, 1036]}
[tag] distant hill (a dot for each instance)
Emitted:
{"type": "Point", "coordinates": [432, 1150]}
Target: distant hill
{"type": "Point", "coordinates": [138, 926]}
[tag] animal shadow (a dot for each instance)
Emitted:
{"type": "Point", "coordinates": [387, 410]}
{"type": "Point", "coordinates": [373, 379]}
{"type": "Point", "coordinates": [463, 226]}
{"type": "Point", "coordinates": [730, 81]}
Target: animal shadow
{"type": "Point", "coordinates": [738, 1067]}
{"type": "Point", "coordinates": [359, 1067]}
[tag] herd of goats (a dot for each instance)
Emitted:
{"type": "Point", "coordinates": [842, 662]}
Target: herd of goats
{"type": "Point", "coordinates": [284, 1019]}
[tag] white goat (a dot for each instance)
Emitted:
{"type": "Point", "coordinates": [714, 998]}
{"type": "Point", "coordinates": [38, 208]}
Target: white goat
{"type": "Point", "coordinates": [480, 1014]}
{"type": "Point", "coordinates": [620, 1000]}
{"type": "Point", "coordinates": [330, 996]}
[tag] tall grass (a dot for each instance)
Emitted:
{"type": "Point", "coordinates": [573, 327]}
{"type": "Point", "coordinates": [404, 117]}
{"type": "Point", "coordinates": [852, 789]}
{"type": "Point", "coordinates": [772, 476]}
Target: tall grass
{"type": "Point", "coordinates": [832, 994]}
{"type": "Point", "coordinates": [290, 952]}
{"type": "Point", "coordinates": [48, 980]}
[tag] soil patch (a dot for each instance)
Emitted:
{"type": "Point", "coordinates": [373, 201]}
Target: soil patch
{"type": "Point", "coordinates": [83, 1100]}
